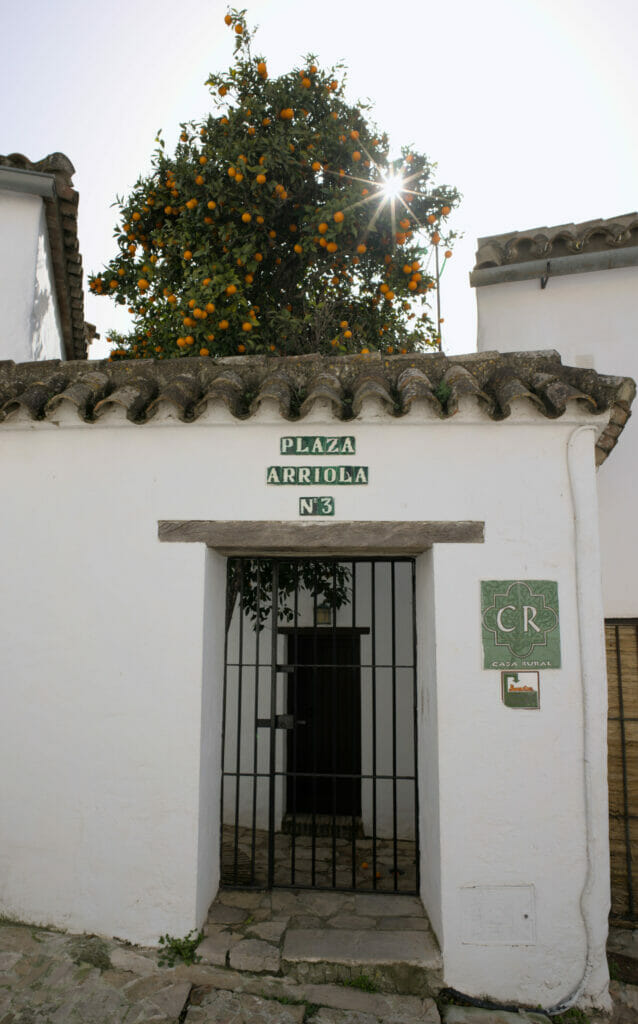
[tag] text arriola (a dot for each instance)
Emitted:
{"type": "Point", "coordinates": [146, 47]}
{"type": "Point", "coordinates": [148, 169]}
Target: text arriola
{"type": "Point", "coordinates": [317, 475]}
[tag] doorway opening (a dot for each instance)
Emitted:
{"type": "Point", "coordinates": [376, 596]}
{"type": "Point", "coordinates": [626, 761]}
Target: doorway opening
{"type": "Point", "coordinates": [319, 763]}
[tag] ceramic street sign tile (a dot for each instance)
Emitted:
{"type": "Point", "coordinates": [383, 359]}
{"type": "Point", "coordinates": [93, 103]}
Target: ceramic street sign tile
{"type": "Point", "coordinates": [520, 624]}
{"type": "Point", "coordinates": [521, 689]}
{"type": "Point", "coordinates": [317, 506]}
{"type": "Point", "coordinates": [317, 445]}
{"type": "Point", "coordinates": [313, 475]}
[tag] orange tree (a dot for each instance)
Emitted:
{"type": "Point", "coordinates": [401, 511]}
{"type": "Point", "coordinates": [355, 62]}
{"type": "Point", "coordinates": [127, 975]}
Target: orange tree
{"type": "Point", "coordinates": [279, 225]}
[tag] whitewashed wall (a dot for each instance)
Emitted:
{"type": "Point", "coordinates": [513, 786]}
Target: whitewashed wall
{"type": "Point", "coordinates": [112, 658]}
{"type": "Point", "coordinates": [591, 320]}
{"type": "Point", "coordinates": [29, 318]}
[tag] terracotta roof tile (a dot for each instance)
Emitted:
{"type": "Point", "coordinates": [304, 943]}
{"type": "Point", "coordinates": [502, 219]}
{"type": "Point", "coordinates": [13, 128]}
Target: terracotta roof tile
{"type": "Point", "coordinates": [296, 384]}
{"type": "Point", "coordinates": [552, 242]}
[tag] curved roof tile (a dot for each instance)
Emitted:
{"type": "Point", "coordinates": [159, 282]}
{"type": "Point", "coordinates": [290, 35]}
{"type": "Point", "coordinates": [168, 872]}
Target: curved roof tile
{"type": "Point", "coordinates": [295, 383]}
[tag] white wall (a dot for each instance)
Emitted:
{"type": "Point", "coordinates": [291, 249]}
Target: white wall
{"type": "Point", "coordinates": [104, 728]}
{"type": "Point", "coordinates": [29, 317]}
{"type": "Point", "coordinates": [591, 320]}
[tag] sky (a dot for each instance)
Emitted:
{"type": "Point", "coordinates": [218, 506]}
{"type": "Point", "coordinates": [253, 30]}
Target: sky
{"type": "Point", "coordinates": [527, 106]}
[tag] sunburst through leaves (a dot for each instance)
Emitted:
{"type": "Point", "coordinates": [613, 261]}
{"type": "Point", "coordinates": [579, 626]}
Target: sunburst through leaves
{"type": "Point", "coordinates": [279, 225]}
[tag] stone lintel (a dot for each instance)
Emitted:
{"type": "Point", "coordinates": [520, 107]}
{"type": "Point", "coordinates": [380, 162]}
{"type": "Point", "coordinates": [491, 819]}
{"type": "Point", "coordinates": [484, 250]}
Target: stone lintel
{"type": "Point", "coordinates": [274, 538]}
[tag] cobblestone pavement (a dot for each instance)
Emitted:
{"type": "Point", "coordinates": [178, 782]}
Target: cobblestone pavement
{"type": "Point", "coordinates": [251, 970]}
{"type": "Point", "coordinates": [315, 861]}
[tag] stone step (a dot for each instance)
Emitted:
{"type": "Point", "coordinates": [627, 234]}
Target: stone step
{"type": "Point", "coordinates": [274, 993]}
{"type": "Point", "coordinates": [407, 962]}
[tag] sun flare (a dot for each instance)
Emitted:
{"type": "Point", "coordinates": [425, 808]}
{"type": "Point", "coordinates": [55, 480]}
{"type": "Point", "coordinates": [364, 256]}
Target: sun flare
{"type": "Point", "coordinates": [393, 186]}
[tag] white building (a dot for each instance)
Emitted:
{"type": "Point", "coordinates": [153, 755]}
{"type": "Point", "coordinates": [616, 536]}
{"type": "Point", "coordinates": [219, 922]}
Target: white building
{"type": "Point", "coordinates": [40, 264]}
{"type": "Point", "coordinates": [574, 288]}
{"type": "Point", "coordinates": [434, 695]}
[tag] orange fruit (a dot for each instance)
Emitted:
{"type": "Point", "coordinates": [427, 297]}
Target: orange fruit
{"type": "Point", "coordinates": [239, 29]}
{"type": "Point", "coordinates": [199, 180]}
{"type": "Point", "coordinates": [204, 352]}
{"type": "Point", "coordinates": [246, 217]}
{"type": "Point", "coordinates": [137, 216]}
{"type": "Point", "coordinates": [384, 288]}
{"type": "Point", "coordinates": [298, 248]}
{"type": "Point", "coordinates": [365, 351]}
{"type": "Point", "coordinates": [313, 69]}
{"type": "Point", "coordinates": [261, 68]}
{"type": "Point", "coordinates": [210, 307]}
{"type": "Point", "coordinates": [316, 166]}
{"type": "Point", "coordinates": [338, 217]}
{"type": "Point", "coordinates": [356, 155]}
{"type": "Point", "coordinates": [448, 253]}
{"type": "Point", "coordinates": [445, 210]}
{"type": "Point", "coordinates": [405, 223]}
{"type": "Point", "coordinates": [260, 219]}
{"type": "Point", "coordinates": [266, 121]}
{"type": "Point", "coordinates": [412, 285]}
{"type": "Point", "coordinates": [203, 160]}
{"type": "Point", "coordinates": [436, 238]}
{"type": "Point", "coordinates": [181, 343]}
{"type": "Point", "coordinates": [231, 289]}
{"type": "Point", "coordinates": [206, 281]}
{"type": "Point", "coordinates": [211, 204]}
{"type": "Point", "coordinates": [239, 177]}
{"type": "Point", "coordinates": [223, 324]}
{"type": "Point", "coordinates": [228, 19]}
{"type": "Point", "coordinates": [332, 247]}
{"type": "Point", "coordinates": [306, 83]}
{"type": "Point", "coordinates": [261, 179]}
{"type": "Point", "coordinates": [188, 255]}
{"type": "Point", "coordinates": [258, 257]}
{"type": "Point", "coordinates": [287, 114]}
{"type": "Point", "coordinates": [347, 334]}
{"type": "Point", "coordinates": [246, 326]}
{"type": "Point", "coordinates": [231, 172]}
{"type": "Point", "coordinates": [249, 279]}
{"type": "Point", "coordinates": [323, 227]}
{"type": "Point", "coordinates": [361, 248]}
{"type": "Point", "coordinates": [189, 339]}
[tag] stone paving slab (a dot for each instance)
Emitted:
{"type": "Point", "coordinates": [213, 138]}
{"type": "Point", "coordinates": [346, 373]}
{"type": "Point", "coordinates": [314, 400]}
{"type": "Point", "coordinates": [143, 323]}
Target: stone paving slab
{"type": "Point", "coordinates": [239, 1008]}
{"type": "Point", "coordinates": [45, 979]}
{"type": "Point", "coordinates": [475, 1015]}
{"type": "Point", "coordinates": [214, 949]}
{"type": "Point", "coordinates": [391, 1008]}
{"type": "Point", "coordinates": [362, 948]}
{"type": "Point", "coordinates": [255, 955]}
{"type": "Point", "coordinates": [382, 905]}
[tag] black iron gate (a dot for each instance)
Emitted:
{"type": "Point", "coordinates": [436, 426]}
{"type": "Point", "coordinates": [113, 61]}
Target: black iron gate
{"type": "Point", "coordinates": [319, 762]}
